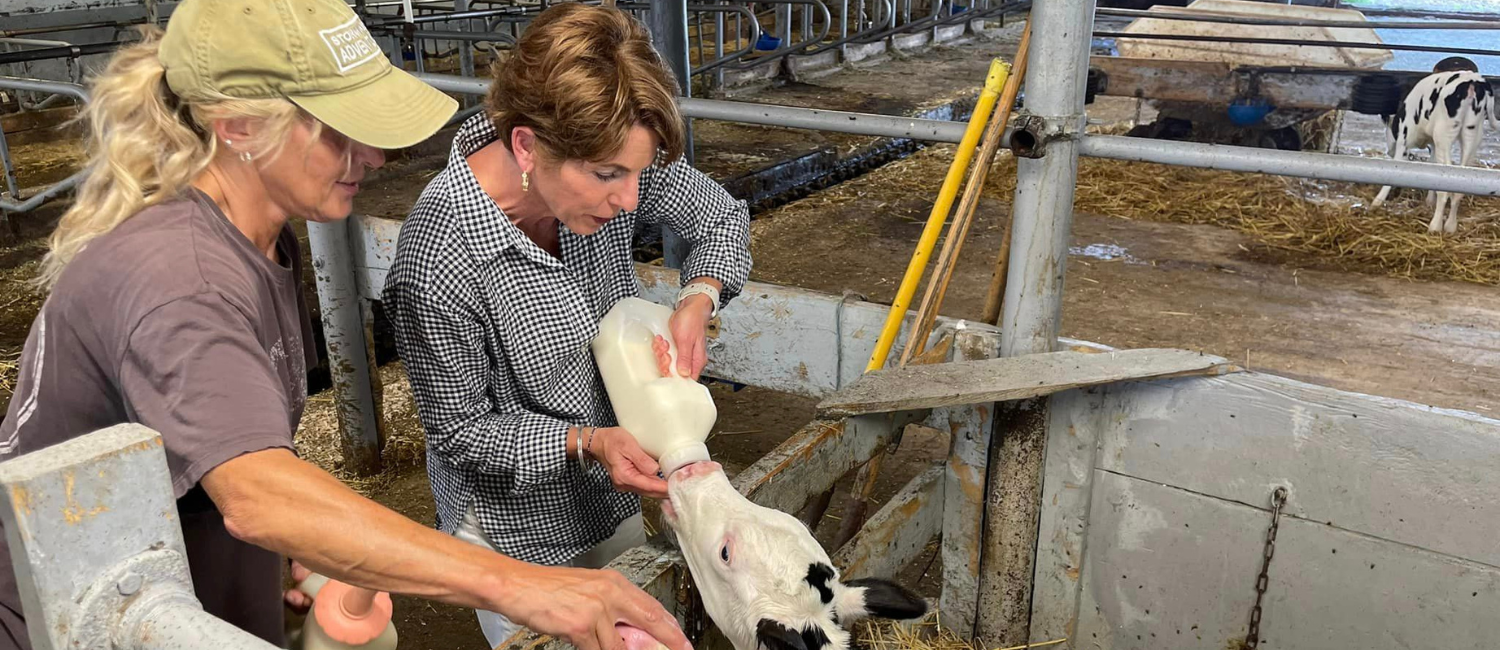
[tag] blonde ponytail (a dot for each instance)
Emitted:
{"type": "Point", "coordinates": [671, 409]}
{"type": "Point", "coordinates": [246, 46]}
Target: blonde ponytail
{"type": "Point", "coordinates": [145, 146]}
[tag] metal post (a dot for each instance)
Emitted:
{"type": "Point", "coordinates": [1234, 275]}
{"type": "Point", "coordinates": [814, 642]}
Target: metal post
{"type": "Point", "coordinates": [669, 34]}
{"type": "Point", "coordinates": [1043, 214]}
{"type": "Point", "coordinates": [465, 49]}
{"type": "Point", "coordinates": [100, 560]}
{"type": "Point", "coordinates": [348, 363]}
{"type": "Point", "coordinates": [11, 184]}
{"type": "Point", "coordinates": [718, 48]}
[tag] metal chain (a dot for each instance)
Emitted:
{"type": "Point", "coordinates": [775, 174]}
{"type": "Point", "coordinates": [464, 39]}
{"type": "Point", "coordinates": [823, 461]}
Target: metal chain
{"type": "Point", "coordinates": [1278, 499]}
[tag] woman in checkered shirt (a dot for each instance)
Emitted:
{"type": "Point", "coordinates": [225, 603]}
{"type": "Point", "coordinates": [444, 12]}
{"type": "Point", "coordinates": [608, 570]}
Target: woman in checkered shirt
{"type": "Point", "coordinates": [508, 261]}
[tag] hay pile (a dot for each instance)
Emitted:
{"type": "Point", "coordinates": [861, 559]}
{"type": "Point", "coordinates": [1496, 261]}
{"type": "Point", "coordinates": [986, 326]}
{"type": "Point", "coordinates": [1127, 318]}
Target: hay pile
{"type": "Point", "coordinates": [1326, 221]}
{"type": "Point", "coordinates": [318, 439]}
{"type": "Point", "coordinates": [8, 370]}
{"type": "Point", "coordinates": [924, 635]}
{"type": "Point", "coordinates": [1326, 224]}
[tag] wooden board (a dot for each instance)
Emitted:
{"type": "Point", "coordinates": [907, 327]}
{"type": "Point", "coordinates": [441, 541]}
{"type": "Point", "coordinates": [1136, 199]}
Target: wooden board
{"type": "Point", "coordinates": [1010, 378]}
{"type": "Point", "coordinates": [964, 480]}
{"type": "Point", "coordinates": [814, 458]}
{"type": "Point", "coordinates": [898, 532]}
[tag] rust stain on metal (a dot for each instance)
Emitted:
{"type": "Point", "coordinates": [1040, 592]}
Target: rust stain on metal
{"type": "Point", "coordinates": [73, 513]}
{"type": "Point", "coordinates": [20, 498]}
{"type": "Point", "coordinates": [781, 310]}
{"type": "Point", "coordinates": [752, 336]}
{"type": "Point", "coordinates": [1073, 573]}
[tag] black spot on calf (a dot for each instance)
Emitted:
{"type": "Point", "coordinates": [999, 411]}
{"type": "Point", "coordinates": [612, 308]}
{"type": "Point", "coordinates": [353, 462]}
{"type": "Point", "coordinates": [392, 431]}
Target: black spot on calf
{"type": "Point", "coordinates": [886, 599]}
{"type": "Point", "coordinates": [1455, 100]}
{"type": "Point", "coordinates": [818, 575]}
{"type": "Point", "coordinates": [775, 636]}
{"type": "Point", "coordinates": [772, 635]}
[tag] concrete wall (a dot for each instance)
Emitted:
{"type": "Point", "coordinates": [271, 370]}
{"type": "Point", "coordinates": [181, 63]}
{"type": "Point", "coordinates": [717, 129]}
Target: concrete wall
{"type": "Point", "coordinates": [1156, 509]}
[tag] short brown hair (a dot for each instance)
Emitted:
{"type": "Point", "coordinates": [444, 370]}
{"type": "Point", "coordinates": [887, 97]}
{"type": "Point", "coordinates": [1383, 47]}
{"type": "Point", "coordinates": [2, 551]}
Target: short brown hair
{"type": "Point", "coordinates": [581, 77]}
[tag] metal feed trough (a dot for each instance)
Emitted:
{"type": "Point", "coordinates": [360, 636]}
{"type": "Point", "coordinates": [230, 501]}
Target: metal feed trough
{"type": "Point", "coordinates": [1115, 499]}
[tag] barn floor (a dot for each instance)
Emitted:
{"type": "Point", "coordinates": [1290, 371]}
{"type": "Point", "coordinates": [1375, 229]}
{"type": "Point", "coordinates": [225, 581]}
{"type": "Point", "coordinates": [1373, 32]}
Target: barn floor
{"type": "Point", "coordinates": [1130, 284]}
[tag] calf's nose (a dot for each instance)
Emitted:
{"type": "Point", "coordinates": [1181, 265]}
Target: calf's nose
{"type": "Point", "coordinates": [698, 469]}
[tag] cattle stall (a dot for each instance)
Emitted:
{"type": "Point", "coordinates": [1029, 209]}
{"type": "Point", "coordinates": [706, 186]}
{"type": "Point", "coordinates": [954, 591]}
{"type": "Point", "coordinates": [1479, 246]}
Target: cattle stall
{"type": "Point", "coordinates": [1069, 463]}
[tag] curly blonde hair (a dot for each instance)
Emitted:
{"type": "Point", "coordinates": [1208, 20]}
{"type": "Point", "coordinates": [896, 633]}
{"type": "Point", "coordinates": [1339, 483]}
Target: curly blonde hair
{"type": "Point", "coordinates": [145, 145]}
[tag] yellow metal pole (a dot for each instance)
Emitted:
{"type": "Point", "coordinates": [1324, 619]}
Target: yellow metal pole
{"type": "Point", "coordinates": [994, 82]}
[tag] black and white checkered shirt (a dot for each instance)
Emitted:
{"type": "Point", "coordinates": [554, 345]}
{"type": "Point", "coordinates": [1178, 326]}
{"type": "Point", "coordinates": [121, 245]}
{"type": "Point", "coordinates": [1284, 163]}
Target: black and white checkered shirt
{"type": "Point", "coordinates": [495, 335]}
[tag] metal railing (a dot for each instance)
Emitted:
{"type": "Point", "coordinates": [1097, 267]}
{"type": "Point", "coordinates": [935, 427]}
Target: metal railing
{"type": "Point", "coordinates": [100, 558]}
{"type": "Point", "coordinates": [15, 202]}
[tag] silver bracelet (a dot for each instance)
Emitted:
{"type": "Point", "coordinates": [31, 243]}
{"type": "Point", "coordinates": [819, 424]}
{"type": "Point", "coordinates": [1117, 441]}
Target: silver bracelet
{"type": "Point", "coordinates": [588, 447]}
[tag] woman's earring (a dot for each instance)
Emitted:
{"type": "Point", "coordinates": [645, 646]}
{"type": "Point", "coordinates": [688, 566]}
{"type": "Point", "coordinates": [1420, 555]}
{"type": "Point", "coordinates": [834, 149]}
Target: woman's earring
{"type": "Point", "coordinates": [244, 155]}
{"type": "Point", "coordinates": [525, 182]}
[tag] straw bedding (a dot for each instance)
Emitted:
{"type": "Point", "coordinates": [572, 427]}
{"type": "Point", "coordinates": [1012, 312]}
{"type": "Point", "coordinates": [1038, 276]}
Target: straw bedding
{"type": "Point", "coordinates": [318, 439]}
{"type": "Point", "coordinates": [1311, 223]}
{"type": "Point", "coordinates": [923, 635]}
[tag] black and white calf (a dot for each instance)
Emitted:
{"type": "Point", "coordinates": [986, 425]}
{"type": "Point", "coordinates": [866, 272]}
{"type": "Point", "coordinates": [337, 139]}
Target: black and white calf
{"type": "Point", "coordinates": [764, 579]}
{"type": "Point", "coordinates": [1443, 108]}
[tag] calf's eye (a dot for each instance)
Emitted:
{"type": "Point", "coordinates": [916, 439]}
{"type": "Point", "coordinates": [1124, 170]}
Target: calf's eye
{"type": "Point", "coordinates": [724, 553]}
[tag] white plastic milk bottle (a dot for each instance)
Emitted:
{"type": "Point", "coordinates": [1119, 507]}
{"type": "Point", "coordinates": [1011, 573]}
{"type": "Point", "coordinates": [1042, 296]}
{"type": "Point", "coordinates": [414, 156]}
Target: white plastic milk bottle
{"type": "Point", "coordinates": [669, 416]}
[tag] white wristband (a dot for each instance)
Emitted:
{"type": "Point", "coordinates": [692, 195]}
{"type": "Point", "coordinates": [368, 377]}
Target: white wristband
{"type": "Point", "coordinates": [695, 288]}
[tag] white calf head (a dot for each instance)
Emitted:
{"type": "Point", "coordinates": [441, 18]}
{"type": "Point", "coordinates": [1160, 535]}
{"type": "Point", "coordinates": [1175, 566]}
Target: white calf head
{"type": "Point", "coordinates": [764, 579]}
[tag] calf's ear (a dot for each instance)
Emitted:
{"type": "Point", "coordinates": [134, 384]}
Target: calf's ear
{"type": "Point", "coordinates": [879, 598]}
{"type": "Point", "coordinates": [772, 635]}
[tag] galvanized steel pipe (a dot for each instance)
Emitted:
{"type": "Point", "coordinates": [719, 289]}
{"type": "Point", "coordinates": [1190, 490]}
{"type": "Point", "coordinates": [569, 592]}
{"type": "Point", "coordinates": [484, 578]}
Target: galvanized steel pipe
{"type": "Point", "coordinates": [1237, 19]}
{"type": "Point", "coordinates": [823, 120]}
{"type": "Point", "coordinates": [43, 86]}
{"type": "Point", "coordinates": [1354, 169]}
{"type": "Point", "coordinates": [1333, 167]}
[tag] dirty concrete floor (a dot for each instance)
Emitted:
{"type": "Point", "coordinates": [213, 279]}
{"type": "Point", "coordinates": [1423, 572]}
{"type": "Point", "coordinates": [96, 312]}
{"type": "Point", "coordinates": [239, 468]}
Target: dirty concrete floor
{"type": "Point", "coordinates": [1142, 284]}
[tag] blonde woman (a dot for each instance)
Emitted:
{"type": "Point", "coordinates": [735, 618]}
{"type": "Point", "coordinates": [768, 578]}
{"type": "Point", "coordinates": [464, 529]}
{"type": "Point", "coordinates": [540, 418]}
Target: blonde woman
{"type": "Point", "coordinates": [176, 303]}
{"type": "Point", "coordinates": [509, 260]}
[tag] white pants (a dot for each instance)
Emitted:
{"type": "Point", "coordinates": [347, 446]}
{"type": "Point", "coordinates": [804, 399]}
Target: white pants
{"type": "Point", "coordinates": [497, 628]}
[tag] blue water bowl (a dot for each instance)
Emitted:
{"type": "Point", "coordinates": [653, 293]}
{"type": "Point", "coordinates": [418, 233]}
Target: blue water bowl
{"type": "Point", "coordinates": [1249, 112]}
{"type": "Point", "coordinates": [767, 42]}
{"type": "Point", "coordinates": [958, 9]}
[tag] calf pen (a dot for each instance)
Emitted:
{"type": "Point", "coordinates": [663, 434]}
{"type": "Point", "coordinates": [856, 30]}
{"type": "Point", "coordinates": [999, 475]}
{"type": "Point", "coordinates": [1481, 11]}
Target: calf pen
{"type": "Point", "coordinates": [1157, 478]}
{"type": "Point", "coordinates": [1069, 463]}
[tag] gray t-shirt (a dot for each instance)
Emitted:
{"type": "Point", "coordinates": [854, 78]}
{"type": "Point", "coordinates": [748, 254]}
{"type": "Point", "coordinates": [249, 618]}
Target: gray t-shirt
{"type": "Point", "coordinates": [173, 320]}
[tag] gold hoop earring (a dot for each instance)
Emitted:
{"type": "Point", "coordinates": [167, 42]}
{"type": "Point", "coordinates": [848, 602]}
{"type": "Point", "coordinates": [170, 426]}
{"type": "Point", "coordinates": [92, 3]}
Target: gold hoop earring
{"type": "Point", "coordinates": [525, 182]}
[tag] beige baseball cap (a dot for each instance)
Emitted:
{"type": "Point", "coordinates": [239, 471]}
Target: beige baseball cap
{"type": "Point", "coordinates": [316, 53]}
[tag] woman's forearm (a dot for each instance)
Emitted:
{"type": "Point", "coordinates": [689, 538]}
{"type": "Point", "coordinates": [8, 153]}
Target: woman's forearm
{"type": "Point", "coordinates": [276, 501]}
{"type": "Point", "coordinates": [279, 502]}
